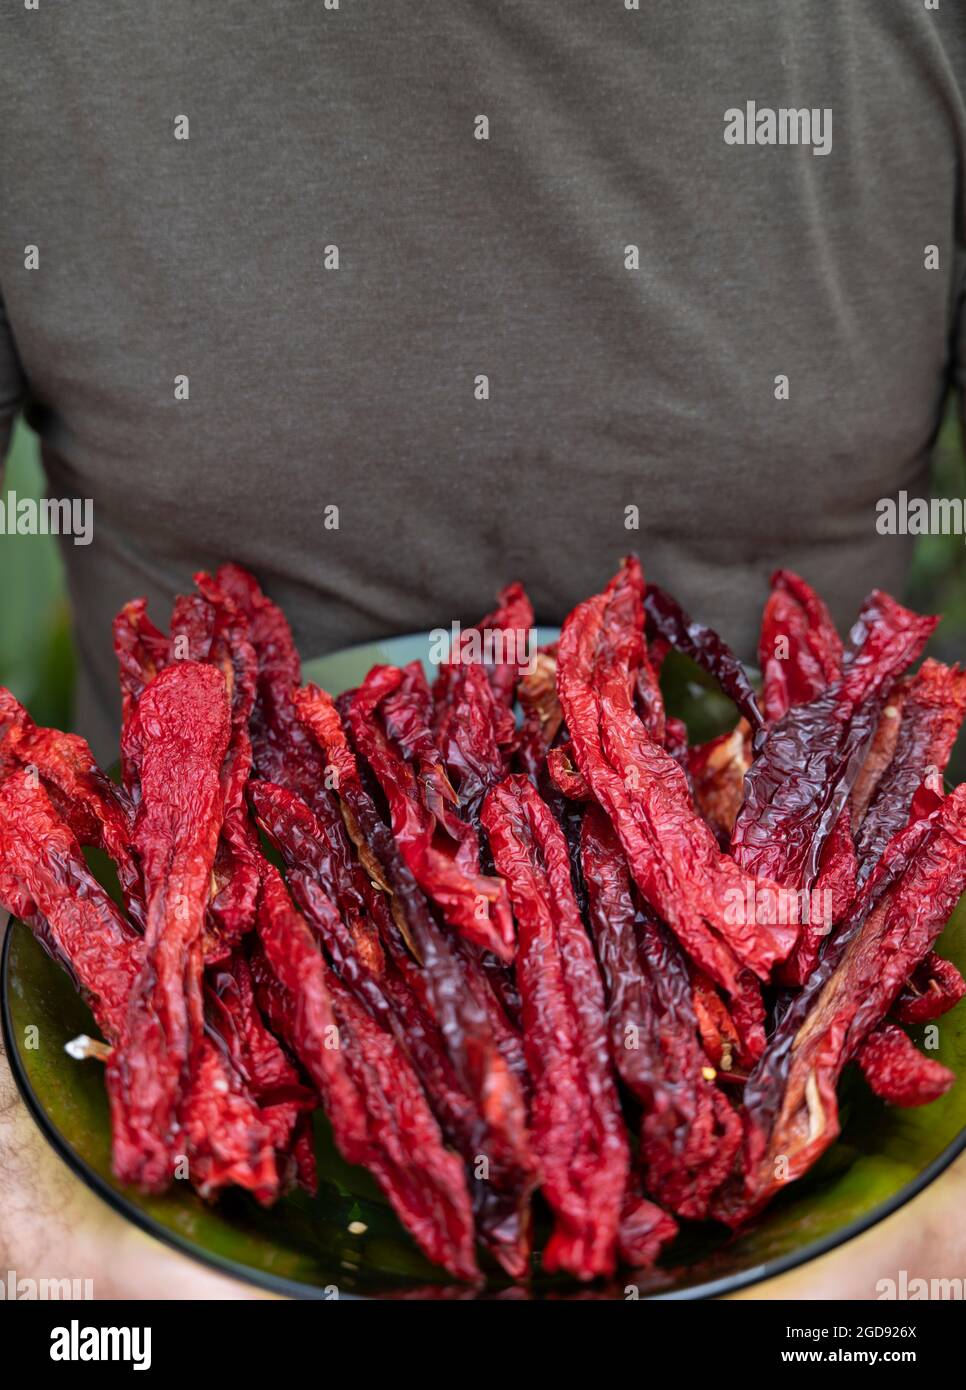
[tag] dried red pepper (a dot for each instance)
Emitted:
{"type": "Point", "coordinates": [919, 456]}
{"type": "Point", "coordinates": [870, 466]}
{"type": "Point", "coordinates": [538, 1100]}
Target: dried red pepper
{"type": "Point", "coordinates": [564, 774]}
{"type": "Point", "coordinates": [578, 1131]}
{"type": "Point", "coordinates": [825, 903]}
{"type": "Point", "coordinates": [799, 651]}
{"type": "Point", "coordinates": [225, 1135]}
{"type": "Point", "coordinates": [389, 988]}
{"type": "Point", "coordinates": [673, 855]}
{"type": "Point", "coordinates": [441, 850]}
{"type": "Point", "coordinates": [790, 1102]}
{"type": "Point", "coordinates": [180, 729]}
{"type": "Point", "coordinates": [717, 770]}
{"type": "Point", "coordinates": [507, 630]}
{"type": "Point", "coordinates": [898, 1072]}
{"type": "Point", "coordinates": [480, 1042]}
{"type": "Point", "coordinates": [689, 1132]}
{"type": "Point", "coordinates": [141, 650]}
{"type": "Point", "coordinates": [371, 1096]}
{"type": "Point", "coordinates": [282, 750]}
{"type": "Point", "coordinates": [45, 882]}
{"type": "Point", "coordinates": [931, 715]}
{"type": "Point", "coordinates": [880, 754]}
{"type": "Point", "coordinates": [256, 1056]}
{"type": "Point", "coordinates": [445, 959]}
{"type": "Point", "coordinates": [99, 813]}
{"type": "Point", "coordinates": [644, 1230]}
{"type": "Point", "coordinates": [542, 715]}
{"type": "Point", "coordinates": [799, 785]}
{"type": "Point", "coordinates": [206, 626]}
{"type": "Point", "coordinates": [933, 988]}
{"type": "Point", "coordinates": [225, 642]}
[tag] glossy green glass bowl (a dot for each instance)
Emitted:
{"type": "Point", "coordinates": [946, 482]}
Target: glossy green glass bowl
{"type": "Point", "coordinates": [348, 1239]}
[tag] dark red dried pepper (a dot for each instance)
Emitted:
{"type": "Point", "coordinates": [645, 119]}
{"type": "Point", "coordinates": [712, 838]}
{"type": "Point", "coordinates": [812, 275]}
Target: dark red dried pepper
{"type": "Point", "coordinates": [282, 750]}
{"type": "Point", "coordinates": [578, 1131]}
{"type": "Point", "coordinates": [236, 868]}
{"type": "Point", "coordinates": [180, 730]}
{"type": "Point", "coordinates": [790, 1102]}
{"type": "Point", "coordinates": [256, 1056]}
{"type": "Point", "coordinates": [45, 882]}
{"type": "Point", "coordinates": [644, 1230]}
{"type": "Point", "coordinates": [931, 714]}
{"type": "Point", "coordinates": [391, 993]}
{"type": "Point", "coordinates": [98, 812]}
{"type": "Point", "coordinates": [441, 850]}
{"type": "Point", "coordinates": [799, 650]}
{"type": "Point", "coordinates": [371, 1096]}
{"type": "Point", "coordinates": [689, 1132]}
{"type": "Point", "coordinates": [480, 1042]}
{"type": "Point", "coordinates": [799, 785]}
{"type": "Point", "coordinates": [933, 988]}
{"type": "Point", "coordinates": [898, 1072]}
{"type": "Point", "coordinates": [673, 855]}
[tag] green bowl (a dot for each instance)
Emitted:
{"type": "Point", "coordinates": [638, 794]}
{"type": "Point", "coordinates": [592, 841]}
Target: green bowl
{"type": "Point", "coordinates": [347, 1239]}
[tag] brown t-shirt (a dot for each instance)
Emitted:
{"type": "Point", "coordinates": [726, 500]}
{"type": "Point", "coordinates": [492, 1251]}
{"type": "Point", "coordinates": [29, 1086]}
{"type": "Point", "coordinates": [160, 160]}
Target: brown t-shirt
{"type": "Point", "coordinates": [618, 378]}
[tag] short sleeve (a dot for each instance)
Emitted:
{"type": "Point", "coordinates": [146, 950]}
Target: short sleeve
{"type": "Point", "coordinates": [13, 385]}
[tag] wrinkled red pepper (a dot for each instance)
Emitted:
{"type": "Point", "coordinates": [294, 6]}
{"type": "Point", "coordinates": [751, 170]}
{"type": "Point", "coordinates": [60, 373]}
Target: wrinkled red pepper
{"type": "Point", "coordinates": [673, 855]}
{"type": "Point", "coordinates": [282, 750]}
{"type": "Point", "coordinates": [141, 650]}
{"type": "Point", "coordinates": [799, 651]}
{"type": "Point", "coordinates": [508, 629]}
{"type": "Point", "coordinates": [717, 770]}
{"type": "Point", "coordinates": [390, 989]}
{"type": "Point", "coordinates": [542, 715]}
{"type": "Point", "coordinates": [790, 1102]}
{"type": "Point", "coordinates": [689, 1132]}
{"type": "Point", "coordinates": [480, 1042]}
{"type": "Point", "coordinates": [99, 813]}
{"type": "Point", "coordinates": [931, 715]}
{"type": "Point", "coordinates": [933, 988]}
{"type": "Point", "coordinates": [799, 785]}
{"type": "Point", "coordinates": [898, 1072]}
{"type": "Point", "coordinates": [256, 1056]}
{"type": "Point", "coordinates": [881, 752]}
{"type": "Point", "coordinates": [578, 1130]}
{"type": "Point", "coordinates": [644, 1230]}
{"type": "Point", "coordinates": [45, 882]}
{"type": "Point", "coordinates": [441, 849]}
{"type": "Point", "coordinates": [371, 1096]}
{"type": "Point", "coordinates": [180, 730]}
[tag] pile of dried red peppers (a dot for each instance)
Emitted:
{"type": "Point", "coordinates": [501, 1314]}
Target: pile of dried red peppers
{"type": "Point", "coordinates": [502, 945]}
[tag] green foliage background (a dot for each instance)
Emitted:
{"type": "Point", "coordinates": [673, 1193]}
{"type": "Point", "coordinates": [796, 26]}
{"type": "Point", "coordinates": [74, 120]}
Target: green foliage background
{"type": "Point", "coordinates": [36, 652]}
{"type": "Point", "coordinates": [37, 656]}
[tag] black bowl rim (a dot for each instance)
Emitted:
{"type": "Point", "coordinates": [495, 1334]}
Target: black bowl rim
{"type": "Point", "coordinates": [291, 1288]}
